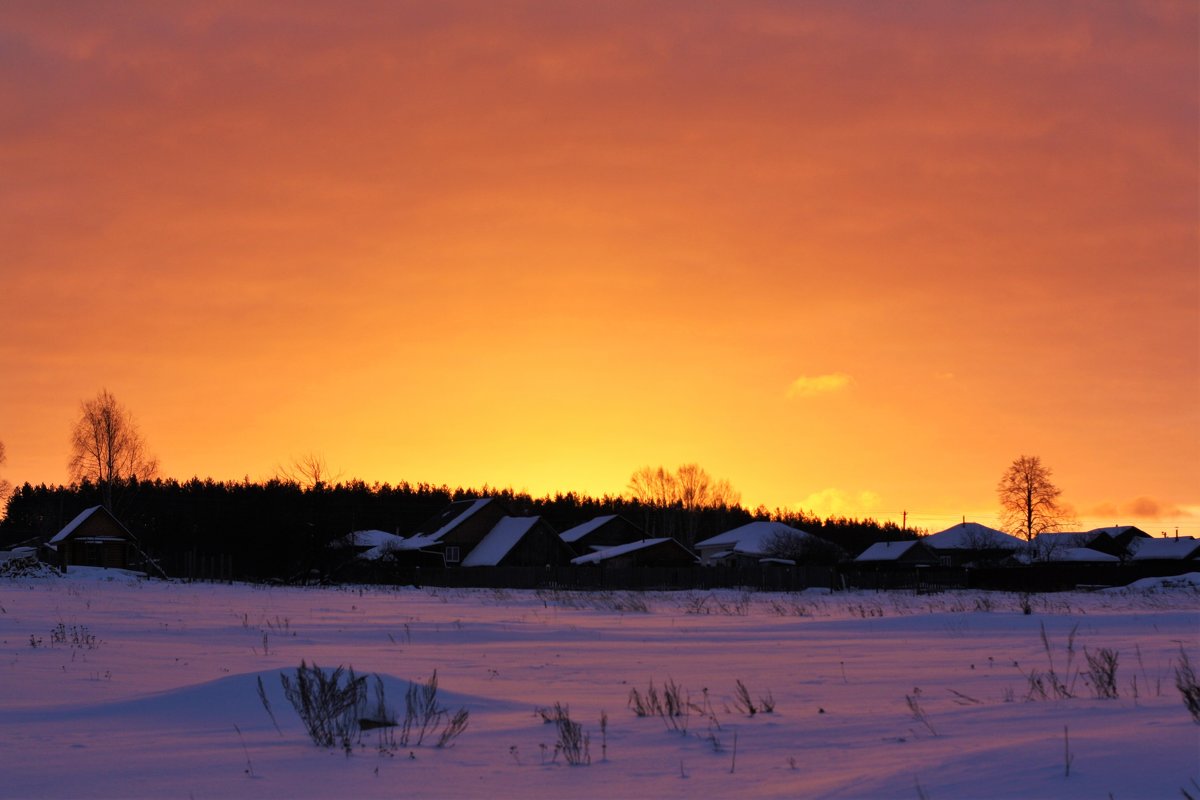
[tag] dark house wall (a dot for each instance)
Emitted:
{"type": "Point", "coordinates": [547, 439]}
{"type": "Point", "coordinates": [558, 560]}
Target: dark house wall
{"type": "Point", "coordinates": [540, 546]}
{"type": "Point", "coordinates": [617, 530]}
{"type": "Point", "coordinates": [471, 530]}
{"type": "Point", "coordinates": [114, 548]}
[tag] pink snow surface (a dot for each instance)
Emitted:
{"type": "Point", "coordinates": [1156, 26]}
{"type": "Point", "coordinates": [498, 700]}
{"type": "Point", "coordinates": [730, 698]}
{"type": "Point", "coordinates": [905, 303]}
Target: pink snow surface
{"type": "Point", "coordinates": [163, 702]}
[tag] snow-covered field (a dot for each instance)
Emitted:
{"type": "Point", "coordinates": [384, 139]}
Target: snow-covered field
{"type": "Point", "coordinates": [130, 688]}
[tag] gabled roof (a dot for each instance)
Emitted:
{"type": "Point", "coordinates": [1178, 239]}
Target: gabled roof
{"type": "Point", "coordinates": [572, 535]}
{"type": "Point", "coordinates": [972, 536]}
{"type": "Point", "coordinates": [1044, 543]}
{"type": "Point", "coordinates": [454, 515]}
{"type": "Point", "coordinates": [618, 550]}
{"type": "Point", "coordinates": [1117, 530]}
{"type": "Point", "coordinates": [1084, 554]}
{"type": "Point", "coordinates": [751, 539]}
{"type": "Point", "coordinates": [83, 517]}
{"type": "Point", "coordinates": [1167, 549]}
{"type": "Point", "coordinates": [887, 551]}
{"type": "Point", "coordinates": [492, 549]}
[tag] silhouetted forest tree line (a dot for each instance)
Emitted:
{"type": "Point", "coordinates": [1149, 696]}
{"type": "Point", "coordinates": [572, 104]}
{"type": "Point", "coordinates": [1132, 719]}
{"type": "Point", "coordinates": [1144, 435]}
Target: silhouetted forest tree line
{"type": "Point", "coordinates": [281, 530]}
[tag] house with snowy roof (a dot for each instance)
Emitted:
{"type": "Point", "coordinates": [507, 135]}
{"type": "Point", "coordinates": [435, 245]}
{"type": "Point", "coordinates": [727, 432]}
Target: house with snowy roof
{"type": "Point", "coordinates": [1181, 549]}
{"type": "Point", "coordinates": [973, 543]}
{"type": "Point", "coordinates": [600, 532]}
{"type": "Point", "coordinates": [93, 538]}
{"type": "Point", "coordinates": [519, 542]}
{"type": "Point", "coordinates": [1117, 539]}
{"type": "Point", "coordinates": [750, 543]}
{"type": "Point", "coordinates": [908, 553]}
{"type": "Point", "coordinates": [1047, 546]}
{"type": "Point", "coordinates": [452, 533]}
{"type": "Point", "coordinates": [658, 552]}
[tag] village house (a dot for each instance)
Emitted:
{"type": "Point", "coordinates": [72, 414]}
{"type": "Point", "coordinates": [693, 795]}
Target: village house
{"type": "Point", "coordinates": [750, 543]}
{"type": "Point", "coordinates": [95, 538]}
{"type": "Point", "coordinates": [970, 543]}
{"type": "Point", "coordinates": [451, 534]}
{"type": "Point", "coordinates": [661, 552]}
{"type": "Point", "coordinates": [909, 553]}
{"type": "Point", "coordinates": [519, 542]}
{"type": "Point", "coordinates": [601, 532]}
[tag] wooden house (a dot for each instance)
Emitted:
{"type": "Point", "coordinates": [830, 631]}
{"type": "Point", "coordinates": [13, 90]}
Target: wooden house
{"type": "Point", "coordinates": [519, 542]}
{"type": "Point", "coordinates": [910, 553]}
{"type": "Point", "coordinates": [750, 543]}
{"type": "Point", "coordinates": [451, 534]}
{"type": "Point", "coordinates": [1119, 540]}
{"type": "Point", "coordinates": [1181, 549]}
{"type": "Point", "coordinates": [95, 538]}
{"type": "Point", "coordinates": [971, 543]}
{"type": "Point", "coordinates": [601, 532]}
{"type": "Point", "coordinates": [662, 552]}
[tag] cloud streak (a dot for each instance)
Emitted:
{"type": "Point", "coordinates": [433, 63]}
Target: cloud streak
{"type": "Point", "coordinates": [813, 385]}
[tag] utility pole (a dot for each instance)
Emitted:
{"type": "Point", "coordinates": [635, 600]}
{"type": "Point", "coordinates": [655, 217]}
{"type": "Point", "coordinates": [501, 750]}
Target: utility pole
{"type": "Point", "coordinates": [904, 521]}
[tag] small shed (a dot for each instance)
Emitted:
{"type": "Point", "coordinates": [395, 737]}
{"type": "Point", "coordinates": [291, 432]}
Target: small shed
{"type": "Point", "coordinates": [95, 538]}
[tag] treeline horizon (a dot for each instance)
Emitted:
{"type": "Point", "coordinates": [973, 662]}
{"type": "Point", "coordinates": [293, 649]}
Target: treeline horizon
{"type": "Point", "coordinates": [279, 528]}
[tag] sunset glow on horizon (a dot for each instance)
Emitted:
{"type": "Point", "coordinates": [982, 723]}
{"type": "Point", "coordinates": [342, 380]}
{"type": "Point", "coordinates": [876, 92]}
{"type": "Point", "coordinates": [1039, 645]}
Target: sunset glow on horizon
{"type": "Point", "coordinates": [853, 257]}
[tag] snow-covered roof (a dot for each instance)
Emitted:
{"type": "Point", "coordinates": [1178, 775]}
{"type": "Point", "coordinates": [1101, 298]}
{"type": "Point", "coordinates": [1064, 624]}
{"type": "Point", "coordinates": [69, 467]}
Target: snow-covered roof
{"type": "Point", "coordinates": [492, 549]}
{"type": "Point", "coordinates": [431, 538]}
{"type": "Point", "coordinates": [1077, 554]}
{"type": "Point", "coordinates": [618, 550]}
{"type": "Point", "coordinates": [751, 539]}
{"type": "Point", "coordinates": [886, 551]}
{"type": "Point", "coordinates": [1173, 549]}
{"type": "Point", "coordinates": [972, 536]}
{"type": "Point", "coordinates": [73, 524]}
{"type": "Point", "coordinates": [1117, 530]}
{"type": "Point", "coordinates": [371, 538]}
{"type": "Point", "coordinates": [1064, 538]}
{"type": "Point", "coordinates": [572, 535]}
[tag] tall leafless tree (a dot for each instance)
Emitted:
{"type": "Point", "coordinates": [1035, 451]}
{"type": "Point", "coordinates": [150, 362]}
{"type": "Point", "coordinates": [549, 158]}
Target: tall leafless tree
{"type": "Point", "coordinates": [5, 486]}
{"type": "Point", "coordinates": [308, 470]}
{"type": "Point", "coordinates": [690, 487]}
{"type": "Point", "coordinates": [688, 490]}
{"type": "Point", "coordinates": [106, 446]}
{"type": "Point", "coordinates": [1029, 499]}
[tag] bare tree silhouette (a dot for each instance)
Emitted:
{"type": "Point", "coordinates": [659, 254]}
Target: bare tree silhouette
{"type": "Point", "coordinates": [106, 446]}
{"type": "Point", "coordinates": [1029, 499]}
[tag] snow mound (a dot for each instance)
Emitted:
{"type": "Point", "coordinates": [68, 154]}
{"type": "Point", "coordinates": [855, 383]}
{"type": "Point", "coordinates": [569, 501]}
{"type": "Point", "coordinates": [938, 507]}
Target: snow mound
{"type": "Point", "coordinates": [235, 700]}
{"type": "Point", "coordinates": [1187, 581]}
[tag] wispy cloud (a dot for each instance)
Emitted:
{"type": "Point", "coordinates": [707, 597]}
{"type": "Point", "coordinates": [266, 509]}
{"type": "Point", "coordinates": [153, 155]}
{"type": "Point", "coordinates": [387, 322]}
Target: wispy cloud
{"type": "Point", "coordinates": [834, 502]}
{"type": "Point", "coordinates": [811, 385]}
{"type": "Point", "coordinates": [1146, 508]}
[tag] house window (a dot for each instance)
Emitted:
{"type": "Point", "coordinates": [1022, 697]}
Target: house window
{"type": "Point", "coordinates": [452, 554]}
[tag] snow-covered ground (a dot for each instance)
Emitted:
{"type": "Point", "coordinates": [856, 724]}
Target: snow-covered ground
{"type": "Point", "coordinates": [131, 688]}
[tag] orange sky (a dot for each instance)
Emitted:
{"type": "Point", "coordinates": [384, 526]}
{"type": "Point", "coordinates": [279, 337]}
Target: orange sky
{"type": "Point", "coordinates": [854, 257]}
